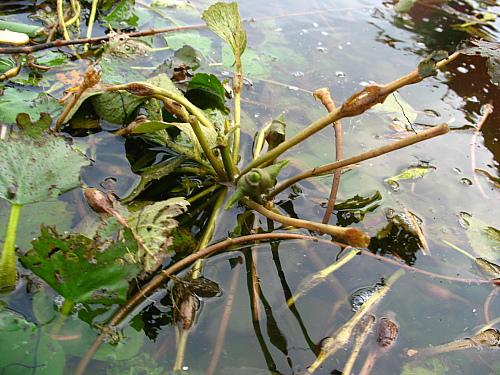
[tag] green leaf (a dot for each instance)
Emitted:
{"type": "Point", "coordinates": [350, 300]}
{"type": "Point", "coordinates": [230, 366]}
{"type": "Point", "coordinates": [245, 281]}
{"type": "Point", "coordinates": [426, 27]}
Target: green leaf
{"type": "Point", "coordinates": [116, 107]}
{"type": "Point", "coordinates": [50, 58]}
{"type": "Point", "coordinates": [15, 101]}
{"type": "Point", "coordinates": [411, 173]}
{"type": "Point", "coordinates": [192, 39]}
{"type": "Point", "coordinates": [6, 63]}
{"type": "Point", "coordinates": [427, 67]}
{"type": "Point", "coordinates": [484, 239]}
{"type": "Point", "coordinates": [154, 224]}
{"type": "Point", "coordinates": [34, 170]}
{"type": "Point", "coordinates": [34, 129]}
{"type": "Point", "coordinates": [31, 30]}
{"type": "Point", "coordinates": [206, 91]}
{"type": "Point", "coordinates": [358, 202]}
{"type": "Point", "coordinates": [25, 347]}
{"type": "Point", "coordinates": [82, 269]}
{"type": "Point", "coordinates": [224, 20]}
{"type": "Point", "coordinates": [153, 173]}
{"type": "Point", "coordinates": [123, 13]}
{"type": "Point", "coordinates": [432, 366]}
{"type": "Point", "coordinates": [187, 130]}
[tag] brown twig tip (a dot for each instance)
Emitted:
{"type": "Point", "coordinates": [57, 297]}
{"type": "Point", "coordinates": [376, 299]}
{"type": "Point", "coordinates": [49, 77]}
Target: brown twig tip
{"type": "Point", "coordinates": [356, 237]}
{"type": "Point", "coordinates": [139, 89]}
{"type": "Point", "coordinates": [363, 100]}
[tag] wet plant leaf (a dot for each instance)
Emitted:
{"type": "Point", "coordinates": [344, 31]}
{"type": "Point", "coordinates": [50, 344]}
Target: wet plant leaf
{"type": "Point", "coordinates": [82, 269]}
{"type": "Point", "coordinates": [192, 140]}
{"type": "Point", "coordinates": [224, 20]}
{"type": "Point", "coordinates": [51, 58]}
{"type": "Point", "coordinates": [206, 91]}
{"type": "Point", "coordinates": [411, 173]}
{"type": "Point", "coordinates": [484, 239]}
{"type": "Point", "coordinates": [490, 269]}
{"type": "Point", "coordinates": [116, 107]}
{"type": "Point", "coordinates": [15, 101]}
{"type": "Point", "coordinates": [432, 366]}
{"type": "Point", "coordinates": [34, 129]}
{"type": "Point", "coordinates": [276, 133]}
{"type": "Point", "coordinates": [358, 202]}
{"type": "Point", "coordinates": [140, 365]}
{"type": "Point", "coordinates": [25, 347]}
{"type": "Point", "coordinates": [153, 173]}
{"type": "Point", "coordinates": [154, 224]}
{"type": "Point", "coordinates": [490, 50]}
{"type": "Point", "coordinates": [123, 13]}
{"type": "Point", "coordinates": [427, 67]}
{"type": "Point", "coordinates": [194, 41]}
{"type": "Point", "coordinates": [34, 170]}
{"type": "Point", "coordinates": [404, 6]}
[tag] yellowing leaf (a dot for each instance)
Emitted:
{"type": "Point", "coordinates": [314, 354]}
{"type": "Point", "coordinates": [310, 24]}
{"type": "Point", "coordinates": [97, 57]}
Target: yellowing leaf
{"type": "Point", "coordinates": [12, 37]}
{"type": "Point", "coordinates": [224, 20]}
{"type": "Point", "coordinates": [154, 225]}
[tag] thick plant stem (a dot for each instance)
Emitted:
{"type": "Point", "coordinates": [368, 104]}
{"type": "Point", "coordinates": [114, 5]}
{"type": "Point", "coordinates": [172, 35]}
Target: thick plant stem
{"type": "Point", "coordinates": [214, 161]}
{"type": "Point", "coordinates": [352, 236]}
{"type": "Point", "coordinates": [66, 309]}
{"type": "Point", "coordinates": [146, 89]}
{"type": "Point", "coordinates": [209, 229]}
{"type": "Point", "coordinates": [60, 17]}
{"type": "Point", "coordinates": [93, 11]}
{"type": "Point", "coordinates": [328, 168]}
{"type": "Point", "coordinates": [358, 343]}
{"type": "Point", "coordinates": [237, 127]}
{"type": "Point", "coordinates": [228, 162]}
{"type": "Point", "coordinates": [8, 274]}
{"type": "Point", "coordinates": [355, 105]}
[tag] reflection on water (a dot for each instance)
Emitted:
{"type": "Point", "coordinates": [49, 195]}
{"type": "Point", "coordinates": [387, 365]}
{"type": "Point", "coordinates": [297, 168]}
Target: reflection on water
{"type": "Point", "coordinates": [342, 45]}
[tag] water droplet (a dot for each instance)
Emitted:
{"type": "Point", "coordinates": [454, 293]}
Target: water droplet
{"type": "Point", "coordinates": [466, 181]}
{"type": "Point", "coordinates": [298, 74]}
{"type": "Point", "coordinates": [278, 29]}
{"type": "Point", "coordinates": [394, 185]}
{"type": "Point", "coordinates": [324, 33]}
{"type": "Point", "coordinates": [431, 113]}
{"type": "Point", "coordinates": [293, 88]}
{"type": "Point", "coordinates": [322, 49]}
{"type": "Point", "coordinates": [185, 368]}
{"type": "Point", "coordinates": [457, 170]}
{"type": "Point", "coordinates": [340, 74]}
{"type": "Point", "coordinates": [473, 99]}
{"type": "Point", "coordinates": [462, 69]}
{"type": "Point", "coordinates": [256, 115]}
{"type": "Point", "coordinates": [439, 29]}
{"type": "Point", "coordinates": [340, 47]}
{"type": "Point", "coordinates": [315, 24]}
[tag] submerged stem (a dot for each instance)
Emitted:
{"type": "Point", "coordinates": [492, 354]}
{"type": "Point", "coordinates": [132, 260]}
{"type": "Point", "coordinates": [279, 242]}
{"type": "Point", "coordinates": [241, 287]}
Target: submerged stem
{"type": "Point", "coordinates": [237, 127]}
{"type": "Point", "coordinates": [8, 274]}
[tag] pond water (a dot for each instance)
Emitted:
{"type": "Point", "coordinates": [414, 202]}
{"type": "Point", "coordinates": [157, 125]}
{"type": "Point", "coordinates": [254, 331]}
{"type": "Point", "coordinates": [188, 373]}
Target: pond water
{"type": "Point", "coordinates": [295, 47]}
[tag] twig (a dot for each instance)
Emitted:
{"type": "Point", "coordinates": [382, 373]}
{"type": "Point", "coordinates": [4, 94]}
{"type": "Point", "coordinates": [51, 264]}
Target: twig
{"type": "Point", "coordinates": [224, 322]}
{"type": "Point", "coordinates": [100, 39]}
{"type": "Point", "coordinates": [355, 105]}
{"type": "Point", "coordinates": [422, 136]}
{"type": "Point", "coordinates": [425, 246]}
{"type": "Point", "coordinates": [488, 109]}
{"type": "Point", "coordinates": [324, 96]}
{"type": "Point", "coordinates": [487, 303]}
{"type": "Point", "coordinates": [358, 343]}
{"type": "Point", "coordinates": [352, 236]}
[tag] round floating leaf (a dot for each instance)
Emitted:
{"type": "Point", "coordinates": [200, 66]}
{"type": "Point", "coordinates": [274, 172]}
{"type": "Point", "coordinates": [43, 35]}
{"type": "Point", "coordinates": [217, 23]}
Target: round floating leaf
{"type": "Point", "coordinates": [25, 349]}
{"type": "Point", "coordinates": [34, 170]}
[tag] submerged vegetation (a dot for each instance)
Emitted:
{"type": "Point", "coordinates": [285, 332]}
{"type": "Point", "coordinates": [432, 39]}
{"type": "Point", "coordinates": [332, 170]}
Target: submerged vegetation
{"type": "Point", "coordinates": [140, 253]}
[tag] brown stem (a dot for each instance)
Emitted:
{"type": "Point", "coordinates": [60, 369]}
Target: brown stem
{"type": "Point", "coordinates": [353, 236]}
{"type": "Point", "coordinates": [370, 360]}
{"type": "Point", "coordinates": [488, 109]}
{"type": "Point", "coordinates": [358, 343]}
{"type": "Point", "coordinates": [96, 40]}
{"type": "Point", "coordinates": [422, 136]}
{"type": "Point", "coordinates": [324, 96]}
{"type": "Point", "coordinates": [224, 322]}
